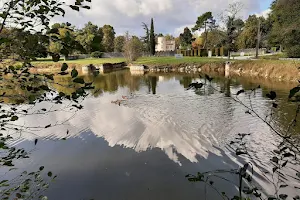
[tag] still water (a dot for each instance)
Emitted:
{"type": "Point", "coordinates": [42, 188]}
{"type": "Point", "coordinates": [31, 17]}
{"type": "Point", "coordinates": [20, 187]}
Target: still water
{"type": "Point", "coordinates": [160, 132]}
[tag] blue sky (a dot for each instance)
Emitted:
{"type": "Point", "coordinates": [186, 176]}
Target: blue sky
{"type": "Point", "coordinates": [265, 4]}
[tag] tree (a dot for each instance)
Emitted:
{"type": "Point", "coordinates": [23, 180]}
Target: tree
{"type": "Point", "coordinates": [169, 37]}
{"type": "Point", "coordinates": [233, 25]}
{"type": "Point", "coordinates": [286, 30]}
{"type": "Point", "coordinates": [152, 38]}
{"type": "Point", "coordinates": [28, 14]}
{"type": "Point", "coordinates": [133, 47]}
{"type": "Point", "coordinates": [108, 38]}
{"type": "Point", "coordinates": [198, 43]}
{"type": "Point", "coordinates": [247, 38]}
{"type": "Point", "coordinates": [23, 44]}
{"type": "Point", "coordinates": [215, 38]}
{"type": "Point", "coordinates": [186, 38]}
{"type": "Point", "coordinates": [146, 38]}
{"type": "Point", "coordinates": [119, 43]}
{"type": "Point", "coordinates": [34, 89]}
{"type": "Point", "coordinates": [90, 37]}
{"type": "Point", "coordinates": [177, 42]}
{"type": "Point", "coordinates": [206, 22]}
{"type": "Point", "coordinates": [64, 37]}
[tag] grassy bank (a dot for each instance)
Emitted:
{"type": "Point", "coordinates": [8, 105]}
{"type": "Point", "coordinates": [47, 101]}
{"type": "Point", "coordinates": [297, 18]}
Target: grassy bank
{"type": "Point", "coordinates": [269, 69]}
{"type": "Point", "coordinates": [170, 61]}
{"type": "Point", "coordinates": [94, 61]}
{"type": "Point", "coordinates": [282, 70]}
{"type": "Point", "coordinates": [152, 61]}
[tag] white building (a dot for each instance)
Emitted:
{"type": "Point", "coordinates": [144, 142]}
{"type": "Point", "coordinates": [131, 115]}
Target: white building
{"type": "Point", "coordinates": [165, 45]}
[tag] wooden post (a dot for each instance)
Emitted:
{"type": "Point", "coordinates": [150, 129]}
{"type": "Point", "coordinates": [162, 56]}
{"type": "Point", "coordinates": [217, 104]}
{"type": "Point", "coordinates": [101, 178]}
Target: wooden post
{"type": "Point", "coordinates": [222, 51]}
{"type": "Point", "coordinates": [227, 69]}
{"type": "Point", "coordinates": [216, 52]}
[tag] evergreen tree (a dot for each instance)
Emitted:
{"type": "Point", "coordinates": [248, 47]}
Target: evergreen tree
{"type": "Point", "coordinates": [152, 38]}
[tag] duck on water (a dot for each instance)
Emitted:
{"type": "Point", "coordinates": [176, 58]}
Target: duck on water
{"type": "Point", "coordinates": [195, 86]}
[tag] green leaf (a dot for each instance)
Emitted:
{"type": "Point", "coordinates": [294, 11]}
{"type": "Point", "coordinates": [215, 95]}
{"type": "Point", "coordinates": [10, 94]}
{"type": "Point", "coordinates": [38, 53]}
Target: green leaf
{"type": "Point", "coordinates": [31, 99]}
{"type": "Point", "coordinates": [294, 91]}
{"type": "Point", "coordinates": [64, 67]}
{"type": "Point", "coordinates": [74, 73]}
{"type": "Point", "coordinates": [283, 186]}
{"type": "Point", "coordinates": [78, 80]}
{"type": "Point", "coordinates": [4, 181]}
{"type": "Point", "coordinates": [283, 196]}
{"type": "Point", "coordinates": [296, 197]}
{"type": "Point", "coordinates": [272, 95]}
{"type": "Point", "coordinates": [8, 163]}
{"type": "Point", "coordinates": [275, 159]}
{"type": "Point", "coordinates": [14, 118]}
{"type": "Point", "coordinates": [272, 198]}
{"type": "Point", "coordinates": [275, 169]}
{"type": "Point", "coordinates": [240, 92]}
{"type": "Point", "coordinates": [208, 78]}
{"type": "Point", "coordinates": [12, 68]}
{"type": "Point", "coordinates": [288, 154]}
{"type": "Point", "coordinates": [74, 7]}
{"type": "Point", "coordinates": [285, 163]}
{"type": "Point", "coordinates": [44, 87]}
{"type": "Point", "coordinates": [44, 198]}
{"type": "Point", "coordinates": [3, 116]}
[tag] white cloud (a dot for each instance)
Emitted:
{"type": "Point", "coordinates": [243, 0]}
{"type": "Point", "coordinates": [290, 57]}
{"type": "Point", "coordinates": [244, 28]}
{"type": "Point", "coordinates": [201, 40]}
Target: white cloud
{"type": "Point", "coordinates": [264, 13]}
{"type": "Point", "coordinates": [169, 15]}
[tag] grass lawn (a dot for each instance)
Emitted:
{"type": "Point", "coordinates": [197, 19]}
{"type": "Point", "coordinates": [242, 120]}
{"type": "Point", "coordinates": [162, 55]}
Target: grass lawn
{"type": "Point", "coordinates": [143, 60]}
{"type": "Point", "coordinates": [160, 61]}
{"type": "Point", "coordinates": [173, 60]}
{"type": "Point", "coordinates": [87, 61]}
{"type": "Point", "coordinates": [274, 57]}
{"type": "Point", "coordinates": [140, 61]}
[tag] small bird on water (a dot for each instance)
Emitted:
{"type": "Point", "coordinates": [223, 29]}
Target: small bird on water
{"type": "Point", "coordinates": [195, 85]}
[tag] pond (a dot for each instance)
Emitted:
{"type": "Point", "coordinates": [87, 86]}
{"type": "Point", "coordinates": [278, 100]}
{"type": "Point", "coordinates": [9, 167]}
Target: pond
{"type": "Point", "coordinates": [139, 135]}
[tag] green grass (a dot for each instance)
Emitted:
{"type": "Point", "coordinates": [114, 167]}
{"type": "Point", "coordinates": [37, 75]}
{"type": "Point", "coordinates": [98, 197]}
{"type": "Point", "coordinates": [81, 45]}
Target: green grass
{"type": "Point", "coordinates": [274, 57]}
{"type": "Point", "coordinates": [140, 61]}
{"type": "Point", "coordinates": [159, 61]}
{"type": "Point", "coordinates": [87, 61]}
{"type": "Point", "coordinates": [173, 60]}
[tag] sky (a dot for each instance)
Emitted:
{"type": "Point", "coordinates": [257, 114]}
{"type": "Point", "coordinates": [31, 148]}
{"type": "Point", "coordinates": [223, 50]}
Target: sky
{"type": "Point", "coordinates": [170, 16]}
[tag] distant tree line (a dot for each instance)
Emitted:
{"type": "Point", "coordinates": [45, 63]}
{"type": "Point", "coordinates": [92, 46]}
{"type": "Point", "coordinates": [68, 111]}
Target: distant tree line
{"type": "Point", "coordinates": [65, 39]}
{"type": "Point", "coordinates": [280, 30]}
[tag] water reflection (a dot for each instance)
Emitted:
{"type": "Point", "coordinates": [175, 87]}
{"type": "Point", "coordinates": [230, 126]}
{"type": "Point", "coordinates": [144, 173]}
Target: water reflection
{"type": "Point", "coordinates": [162, 132]}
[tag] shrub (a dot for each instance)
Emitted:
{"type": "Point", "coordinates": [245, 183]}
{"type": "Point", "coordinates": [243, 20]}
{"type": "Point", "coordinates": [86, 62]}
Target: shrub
{"type": "Point", "coordinates": [293, 52]}
{"type": "Point", "coordinates": [96, 54]}
{"type": "Point", "coordinates": [133, 48]}
{"type": "Point", "coordinates": [203, 53]}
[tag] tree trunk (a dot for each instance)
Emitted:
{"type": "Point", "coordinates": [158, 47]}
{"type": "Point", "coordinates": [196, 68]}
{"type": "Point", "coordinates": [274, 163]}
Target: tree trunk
{"type": "Point", "coordinates": [204, 46]}
{"type": "Point", "coordinates": [258, 39]}
{"type": "Point", "coordinates": [228, 53]}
